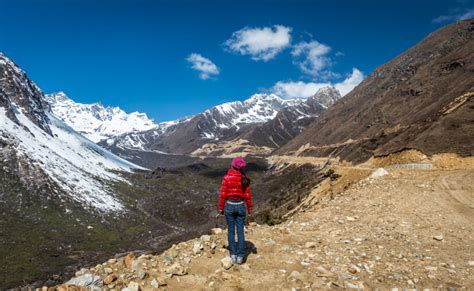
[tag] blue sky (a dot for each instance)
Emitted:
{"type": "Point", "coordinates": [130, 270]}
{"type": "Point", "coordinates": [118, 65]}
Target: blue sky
{"type": "Point", "coordinates": [176, 58]}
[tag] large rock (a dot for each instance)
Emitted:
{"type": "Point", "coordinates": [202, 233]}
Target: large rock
{"type": "Point", "coordinates": [226, 263]}
{"type": "Point", "coordinates": [216, 230]}
{"type": "Point", "coordinates": [176, 269]}
{"type": "Point", "coordinates": [132, 286]}
{"type": "Point", "coordinates": [129, 259]}
{"type": "Point", "coordinates": [86, 280]}
{"type": "Point", "coordinates": [379, 173]}
{"type": "Point", "coordinates": [109, 279]}
{"type": "Point", "coordinates": [197, 248]}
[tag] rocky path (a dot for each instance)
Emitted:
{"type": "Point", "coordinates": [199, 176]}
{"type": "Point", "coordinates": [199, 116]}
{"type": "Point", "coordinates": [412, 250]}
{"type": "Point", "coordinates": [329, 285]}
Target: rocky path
{"type": "Point", "coordinates": [407, 229]}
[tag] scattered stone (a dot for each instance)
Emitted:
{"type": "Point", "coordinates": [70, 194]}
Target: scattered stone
{"type": "Point", "coordinates": [112, 261]}
{"type": "Point", "coordinates": [253, 223]}
{"type": "Point", "coordinates": [205, 238]}
{"type": "Point", "coordinates": [350, 218]}
{"type": "Point", "coordinates": [216, 230]}
{"type": "Point", "coordinates": [213, 245]}
{"type": "Point", "coordinates": [197, 248]}
{"type": "Point", "coordinates": [438, 237]}
{"type": "Point", "coordinates": [295, 275]}
{"type": "Point", "coordinates": [108, 270]}
{"type": "Point", "coordinates": [346, 276]}
{"type": "Point", "coordinates": [81, 272]}
{"type": "Point", "coordinates": [340, 221]}
{"type": "Point", "coordinates": [142, 274]}
{"type": "Point", "coordinates": [379, 173]}
{"type": "Point", "coordinates": [109, 279]}
{"type": "Point", "coordinates": [137, 266]}
{"type": "Point", "coordinates": [226, 263]}
{"type": "Point", "coordinates": [351, 285]}
{"type": "Point", "coordinates": [176, 269]}
{"type": "Point", "coordinates": [310, 245]}
{"type": "Point", "coordinates": [187, 260]}
{"type": "Point", "coordinates": [323, 272]}
{"type": "Point", "coordinates": [353, 269]}
{"type": "Point", "coordinates": [471, 263]}
{"type": "Point", "coordinates": [132, 286]}
{"type": "Point", "coordinates": [431, 268]}
{"type": "Point", "coordinates": [155, 284]}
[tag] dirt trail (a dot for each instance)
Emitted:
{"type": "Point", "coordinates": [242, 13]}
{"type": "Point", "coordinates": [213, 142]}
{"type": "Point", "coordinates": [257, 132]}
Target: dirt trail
{"type": "Point", "coordinates": [407, 229]}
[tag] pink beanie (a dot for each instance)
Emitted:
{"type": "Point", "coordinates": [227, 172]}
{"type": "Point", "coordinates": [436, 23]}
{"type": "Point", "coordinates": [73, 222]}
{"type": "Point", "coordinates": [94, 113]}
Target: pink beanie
{"type": "Point", "coordinates": [238, 163]}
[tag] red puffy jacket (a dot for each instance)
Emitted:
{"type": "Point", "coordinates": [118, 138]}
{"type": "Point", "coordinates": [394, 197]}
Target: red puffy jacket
{"type": "Point", "coordinates": [232, 190]}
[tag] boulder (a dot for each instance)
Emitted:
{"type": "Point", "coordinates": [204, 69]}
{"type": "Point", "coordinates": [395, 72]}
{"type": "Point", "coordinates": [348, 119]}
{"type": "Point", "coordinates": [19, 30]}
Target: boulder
{"type": "Point", "coordinates": [197, 247]}
{"type": "Point", "coordinates": [132, 286]}
{"type": "Point", "coordinates": [176, 269]}
{"type": "Point", "coordinates": [86, 280]}
{"type": "Point", "coordinates": [129, 259]}
{"type": "Point", "coordinates": [216, 230]}
{"type": "Point", "coordinates": [205, 238]}
{"type": "Point", "coordinates": [379, 173]}
{"type": "Point", "coordinates": [226, 263]}
{"type": "Point", "coordinates": [109, 279]}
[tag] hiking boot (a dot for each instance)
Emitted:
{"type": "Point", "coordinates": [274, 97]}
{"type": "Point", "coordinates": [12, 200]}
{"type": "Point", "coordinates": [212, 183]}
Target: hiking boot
{"type": "Point", "coordinates": [239, 260]}
{"type": "Point", "coordinates": [234, 259]}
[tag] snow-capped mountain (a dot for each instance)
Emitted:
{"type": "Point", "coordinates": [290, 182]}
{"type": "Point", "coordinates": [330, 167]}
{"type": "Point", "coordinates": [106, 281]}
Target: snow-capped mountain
{"type": "Point", "coordinates": [263, 138]}
{"type": "Point", "coordinates": [257, 109]}
{"type": "Point", "coordinates": [46, 147]}
{"type": "Point", "coordinates": [213, 125]}
{"type": "Point", "coordinates": [263, 120]}
{"type": "Point", "coordinates": [95, 121]}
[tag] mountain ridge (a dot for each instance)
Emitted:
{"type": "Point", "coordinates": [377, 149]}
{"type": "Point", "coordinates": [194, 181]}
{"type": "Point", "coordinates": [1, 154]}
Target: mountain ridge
{"type": "Point", "coordinates": [400, 105]}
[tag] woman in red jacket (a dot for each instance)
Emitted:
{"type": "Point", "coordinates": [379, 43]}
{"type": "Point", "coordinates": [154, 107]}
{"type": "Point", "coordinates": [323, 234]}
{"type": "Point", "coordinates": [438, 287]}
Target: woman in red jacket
{"type": "Point", "coordinates": [235, 194]}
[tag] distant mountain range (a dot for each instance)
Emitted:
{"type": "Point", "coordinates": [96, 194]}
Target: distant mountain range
{"type": "Point", "coordinates": [257, 125]}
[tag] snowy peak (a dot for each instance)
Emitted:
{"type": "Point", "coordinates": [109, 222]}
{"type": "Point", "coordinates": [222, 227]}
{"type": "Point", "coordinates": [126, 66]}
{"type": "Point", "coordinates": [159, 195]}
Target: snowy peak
{"type": "Point", "coordinates": [258, 108]}
{"type": "Point", "coordinates": [95, 121]}
{"type": "Point", "coordinates": [326, 96]}
{"type": "Point", "coordinates": [16, 90]}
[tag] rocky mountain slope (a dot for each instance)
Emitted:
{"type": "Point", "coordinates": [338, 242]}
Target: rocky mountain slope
{"type": "Point", "coordinates": [95, 121]}
{"type": "Point", "coordinates": [51, 149]}
{"type": "Point", "coordinates": [358, 230]}
{"type": "Point", "coordinates": [421, 99]}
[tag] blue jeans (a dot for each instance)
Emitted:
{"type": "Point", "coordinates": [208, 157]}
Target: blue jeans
{"type": "Point", "coordinates": [235, 217]}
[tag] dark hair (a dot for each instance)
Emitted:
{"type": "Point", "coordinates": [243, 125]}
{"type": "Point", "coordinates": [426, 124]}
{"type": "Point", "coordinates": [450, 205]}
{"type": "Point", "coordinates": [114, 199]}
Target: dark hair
{"type": "Point", "coordinates": [245, 180]}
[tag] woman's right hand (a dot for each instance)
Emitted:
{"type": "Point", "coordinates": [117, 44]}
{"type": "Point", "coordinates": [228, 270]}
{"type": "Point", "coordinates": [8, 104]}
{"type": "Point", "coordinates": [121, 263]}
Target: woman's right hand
{"type": "Point", "coordinates": [220, 214]}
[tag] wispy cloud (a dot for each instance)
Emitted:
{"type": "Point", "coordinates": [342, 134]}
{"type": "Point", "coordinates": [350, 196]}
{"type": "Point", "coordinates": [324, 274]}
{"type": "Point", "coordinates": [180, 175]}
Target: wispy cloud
{"type": "Point", "coordinates": [260, 43]}
{"type": "Point", "coordinates": [203, 65]}
{"type": "Point", "coordinates": [292, 89]}
{"type": "Point", "coordinates": [455, 16]}
{"type": "Point", "coordinates": [311, 57]}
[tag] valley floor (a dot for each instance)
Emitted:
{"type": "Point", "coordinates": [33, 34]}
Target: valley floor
{"type": "Point", "coordinates": [406, 229]}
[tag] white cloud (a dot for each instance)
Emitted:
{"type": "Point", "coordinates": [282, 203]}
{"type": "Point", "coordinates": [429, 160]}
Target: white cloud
{"type": "Point", "coordinates": [261, 43]}
{"type": "Point", "coordinates": [203, 65]}
{"type": "Point", "coordinates": [466, 14]}
{"type": "Point", "coordinates": [311, 57]}
{"type": "Point", "coordinates": [298, 89]}
{"type": "Point", "coordinates": [350, 82]}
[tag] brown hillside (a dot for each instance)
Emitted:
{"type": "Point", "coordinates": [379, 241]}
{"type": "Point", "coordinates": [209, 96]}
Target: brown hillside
{"type": "Point", "coordinates": [422, 99]}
